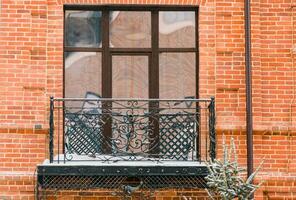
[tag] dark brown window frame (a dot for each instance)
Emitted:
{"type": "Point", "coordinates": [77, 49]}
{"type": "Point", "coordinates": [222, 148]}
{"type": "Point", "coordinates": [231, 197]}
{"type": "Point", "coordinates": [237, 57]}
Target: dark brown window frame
{"type": "Point", "coordinates": [154, 50]}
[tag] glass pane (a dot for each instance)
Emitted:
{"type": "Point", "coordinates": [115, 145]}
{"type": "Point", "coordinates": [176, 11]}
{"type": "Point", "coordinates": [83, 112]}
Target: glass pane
{"type": "Point", "coordinates": [176, 29]}
{"type": "Point", "coordinates": [130, 76]}
{"type": "Point", "coordinates": [83, 28]}
{"type": "Point", "coordinates": [130, 29]}
{"type": "Point", "coordinates": [177, 75]}
{"type": "Point", "coordinates": [83, 74]}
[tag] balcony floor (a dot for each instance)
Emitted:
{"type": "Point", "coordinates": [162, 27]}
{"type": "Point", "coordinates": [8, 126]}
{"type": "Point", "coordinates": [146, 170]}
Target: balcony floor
{"type": "Point", "coordinates": [106, 163]}
{"type": "Point", "coordinates": [107, 160]}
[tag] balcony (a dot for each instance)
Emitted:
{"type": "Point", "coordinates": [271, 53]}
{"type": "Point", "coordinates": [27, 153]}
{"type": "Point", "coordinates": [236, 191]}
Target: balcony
{"type": "Point", "coordinates": [113, 143]}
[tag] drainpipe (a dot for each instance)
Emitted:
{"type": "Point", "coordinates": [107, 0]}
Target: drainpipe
{"type": "Point", "coordinates": [248, 70]}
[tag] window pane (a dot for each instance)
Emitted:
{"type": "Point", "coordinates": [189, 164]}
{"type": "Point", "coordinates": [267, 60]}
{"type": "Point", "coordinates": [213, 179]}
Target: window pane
{"type": "Point", "coordinates": [130, 76]}
{"type": "Point", "coordinates": [83, 28]}
{"type": "Point", "coordinates": [82, 74]}
{"type": "Point", "coordinates": [177, 75]}
{"type": "Point", "coordinates": [130, 29]}
{"type": "Point", "coordinates": [176, 29]}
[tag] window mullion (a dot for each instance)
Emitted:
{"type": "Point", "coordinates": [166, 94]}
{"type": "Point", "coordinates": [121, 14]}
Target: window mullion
{"type": "Point", "coordinates": [154, 82]}
{"type": "Point", "coordinates": [106, 68]}
{"type": "Point", "coordinates": [106, 82]}
{"type": "Point", "coordinates": [154, 68]}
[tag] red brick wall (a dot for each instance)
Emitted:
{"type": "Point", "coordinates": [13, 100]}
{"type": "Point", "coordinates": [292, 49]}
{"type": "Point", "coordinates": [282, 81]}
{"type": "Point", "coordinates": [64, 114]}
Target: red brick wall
{"type": "Point", "coordinates": [31, 70]}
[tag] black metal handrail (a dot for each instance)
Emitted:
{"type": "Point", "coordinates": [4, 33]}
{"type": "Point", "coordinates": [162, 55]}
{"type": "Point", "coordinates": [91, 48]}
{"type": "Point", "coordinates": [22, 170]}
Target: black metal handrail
{"type": "Point", "coordinates": [100, 129]}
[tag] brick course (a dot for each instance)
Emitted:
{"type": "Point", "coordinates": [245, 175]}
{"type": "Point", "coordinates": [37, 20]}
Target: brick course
{"type": "Point", "coordinates": [31, 70]}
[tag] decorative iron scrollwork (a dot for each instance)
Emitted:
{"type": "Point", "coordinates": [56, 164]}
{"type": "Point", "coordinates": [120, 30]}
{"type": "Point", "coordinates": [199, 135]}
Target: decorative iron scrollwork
{"type": "Point", "coordinates": [134, 129]}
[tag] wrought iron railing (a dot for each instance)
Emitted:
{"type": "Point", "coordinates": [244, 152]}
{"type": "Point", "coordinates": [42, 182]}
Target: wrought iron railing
{"type": "Point", "coordinates": [131, 129]}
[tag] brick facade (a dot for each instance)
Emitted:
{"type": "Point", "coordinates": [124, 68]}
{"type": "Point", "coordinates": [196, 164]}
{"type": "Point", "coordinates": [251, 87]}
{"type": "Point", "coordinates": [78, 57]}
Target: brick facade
{"type": "Point", "coordinates": [31, 70]}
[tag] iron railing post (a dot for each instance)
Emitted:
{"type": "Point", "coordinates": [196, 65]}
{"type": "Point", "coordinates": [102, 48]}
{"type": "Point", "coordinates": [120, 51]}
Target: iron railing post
{"type": "Point", "coordinates": [212, 128]}
{"type": "Point", "coordinates": [198, 131]}
{"type": "Point", "coordinates": [51, 127]}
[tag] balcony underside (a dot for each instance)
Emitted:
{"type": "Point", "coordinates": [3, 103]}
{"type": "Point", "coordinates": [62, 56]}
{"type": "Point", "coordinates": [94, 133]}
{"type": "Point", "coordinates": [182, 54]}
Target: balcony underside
{"type": "Point", "coordinates": [91, 173]}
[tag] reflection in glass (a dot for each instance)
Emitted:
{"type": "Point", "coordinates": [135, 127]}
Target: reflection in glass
{"type": "Point", "coordinates": [130, 29]}
{"type": "Point", "coordinates": [176, 29]}
{"type": "Point", "coordinates": [177, 75]}
{"type": "Point", "coordinates": [130, 76]}
{"type": "Point", "coordinates": [82, 74]}
{"type": "Point", "coordinates": [82, 28]}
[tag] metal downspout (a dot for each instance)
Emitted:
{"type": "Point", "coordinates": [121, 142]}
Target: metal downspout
{"type": "Point", "coordinates": [248, 71]}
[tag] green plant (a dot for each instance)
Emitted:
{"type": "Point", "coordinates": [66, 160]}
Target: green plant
{"type": "Point", "coordinates": [225, 179]}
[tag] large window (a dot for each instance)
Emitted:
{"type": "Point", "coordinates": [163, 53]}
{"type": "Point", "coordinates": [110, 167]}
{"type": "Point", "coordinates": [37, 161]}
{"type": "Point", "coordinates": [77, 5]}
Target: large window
{"type": "Point", "coordinates": [131, 52]}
